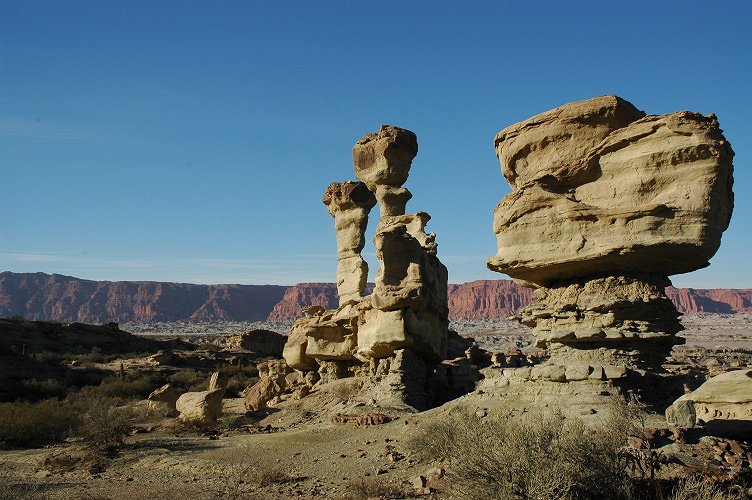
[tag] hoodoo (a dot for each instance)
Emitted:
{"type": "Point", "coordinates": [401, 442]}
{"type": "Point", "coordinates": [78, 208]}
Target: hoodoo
{"type": "Point", "coordinates": [606, 203]}
{"type": "Point", "coordinates": [396, 336]}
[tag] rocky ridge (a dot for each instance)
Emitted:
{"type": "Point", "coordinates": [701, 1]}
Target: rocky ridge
{"type": "Point", "coordinates": [54, 297]}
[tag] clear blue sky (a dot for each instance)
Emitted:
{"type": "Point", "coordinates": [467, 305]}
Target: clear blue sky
{"type": "Point", "coordinates": [192, 141]}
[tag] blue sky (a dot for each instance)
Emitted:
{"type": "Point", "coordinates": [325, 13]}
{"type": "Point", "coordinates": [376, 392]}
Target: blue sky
{"type": "Point", "coordinates": [192, 141]}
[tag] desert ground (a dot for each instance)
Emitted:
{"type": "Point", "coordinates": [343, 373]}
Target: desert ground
{"type": "Point", "coordinates": [330, 444]}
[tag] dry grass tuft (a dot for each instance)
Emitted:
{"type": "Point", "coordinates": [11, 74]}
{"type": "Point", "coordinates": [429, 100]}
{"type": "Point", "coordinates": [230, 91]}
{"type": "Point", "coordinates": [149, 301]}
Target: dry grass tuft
{"type": "Point", "coordinates": [541, 456]}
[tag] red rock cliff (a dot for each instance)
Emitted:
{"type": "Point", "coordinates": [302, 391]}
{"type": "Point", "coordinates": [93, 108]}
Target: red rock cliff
{"type": "Point", "coordinates": [62, 298]}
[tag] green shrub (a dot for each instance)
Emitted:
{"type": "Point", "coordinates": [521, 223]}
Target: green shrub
{"type": "Point", "coordinates": [30, 425]}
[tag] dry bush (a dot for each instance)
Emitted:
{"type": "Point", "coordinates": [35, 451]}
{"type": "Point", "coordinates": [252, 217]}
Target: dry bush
{"type": "Point", "coordinates": [187, 378]}
{"type": "Point", "coordinates": [102, 425]}
{"type": "Point", "coordinates": [181, 427]}
{"type": "Point", "coordinates": [694, 488]}
{"type": "Point", "coordinates": [88, 460]}
{"type": "Point", "coordinates": [268, 474]}
{"type": "Point", "coordinates": [31, 425]}
{"type": "Point", "coordinates": [20, 490]}
{"type": "Point", "coordinates": [537, 456]}
{"type": "Point", "coordinates": [242, 480]}
{"type": "Point", "coordinates": [377, 488]}
{"type": "Point", "coordinates": [35, 389]}
{"type": "Point", "coordinates": [137, 387]}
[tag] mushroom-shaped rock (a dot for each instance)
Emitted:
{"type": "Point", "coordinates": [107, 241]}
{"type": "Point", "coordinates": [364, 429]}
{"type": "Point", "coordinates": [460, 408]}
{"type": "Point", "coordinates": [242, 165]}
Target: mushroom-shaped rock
{"type": "Point", "coordinates": [384, 158]}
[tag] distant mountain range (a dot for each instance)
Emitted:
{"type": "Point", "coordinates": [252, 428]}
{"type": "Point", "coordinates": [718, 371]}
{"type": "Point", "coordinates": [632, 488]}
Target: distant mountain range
{"type": "Point", "coordinates": [56, 297]}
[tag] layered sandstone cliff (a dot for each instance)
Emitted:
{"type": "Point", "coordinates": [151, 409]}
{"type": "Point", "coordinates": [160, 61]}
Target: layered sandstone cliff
{"type": "Point", "coordinates": [63, 298]}
{"type": "Point", "coordinates": [43, 296]}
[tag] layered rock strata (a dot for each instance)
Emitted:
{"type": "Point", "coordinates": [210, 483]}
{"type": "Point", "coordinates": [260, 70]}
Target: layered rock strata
{"type": "Point", "coordinates": [395, 335]}
{"type": "Point", "coordinates": [606, 203]}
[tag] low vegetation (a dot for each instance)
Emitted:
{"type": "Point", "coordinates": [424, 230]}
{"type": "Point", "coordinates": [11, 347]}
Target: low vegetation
{"type": "Point", "coordinates": [543, 457]}
{"type": "Point", "coordinates": [95, 421]}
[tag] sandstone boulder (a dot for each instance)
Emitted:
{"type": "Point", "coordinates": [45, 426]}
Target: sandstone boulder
{"type": "Point", "coordinates": [600, 190]}
{"type": "Point", "coordinates": [384, 157]}
{"type": "Point", "coordinates": [201, 407]}
{"type": "Point", "coordinates": [258, 396]}
{"type": "Point", "coordinates": [727, 396]}
{"type": "Point", "coordinates": [162, 401]}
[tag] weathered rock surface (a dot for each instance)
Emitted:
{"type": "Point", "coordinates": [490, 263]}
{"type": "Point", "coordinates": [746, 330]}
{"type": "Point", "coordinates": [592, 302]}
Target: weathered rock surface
{"type": "Point", "coordinates": [615, 308]}
{"type": "Point", "coordinates": [727, 396]}
{"type": "Point", "coordinates": [598, 190]}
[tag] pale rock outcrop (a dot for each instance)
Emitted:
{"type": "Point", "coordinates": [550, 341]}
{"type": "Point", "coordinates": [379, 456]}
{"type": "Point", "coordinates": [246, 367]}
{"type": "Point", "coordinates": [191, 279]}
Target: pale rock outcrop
{"type": "Point", "coordinates": [727, 396]}
{"type": "Point", "coordinates": [275, 378]}
{"type": "Point", "coordinates": [606, 204]}
{"type": "Point", "coordinates": [202, 406]}
{"type": "Point", "coordinates": [162, 400]}
{"type": "Point", "coordinates": [349, 203]}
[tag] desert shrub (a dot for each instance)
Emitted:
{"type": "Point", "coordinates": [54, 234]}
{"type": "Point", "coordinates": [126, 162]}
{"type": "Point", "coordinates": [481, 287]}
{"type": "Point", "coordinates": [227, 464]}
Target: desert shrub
{"type": "Point", "coordinates": [87, 358]}
{"type": "Point", "coordinates": [91, 461]}
{"type": "Point", "coordinates": [35, 389]}
{"type": "Point", "coordinates": [52, 358]}
{"type": "Point", "coordinates": [101, 424]}
{"type": "Point", "coordinates": [21, 490]}
{"type": "Point", "coordinates": [695, 489]}
{"type": "Point", "coordinates": [188, 378]}
{"type": "Point", "coordinates": [181, 427]}
{"type": "Point", "coordinates": [30, 425]}
{"type": "Point", "coordinates": [268, 474]}
{"type": "Point", "coordinates": [237, 383]}
{"type": "Point", "coordinates": [376, 487]}
{"type": "Point", "coordinates": [137, 387]}
{"type": "Point", "coordinates": [540, 456]}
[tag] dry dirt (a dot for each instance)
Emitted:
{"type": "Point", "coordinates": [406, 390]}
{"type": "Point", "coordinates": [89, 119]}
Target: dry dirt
{"type": "Point", "coordinates": [295, 450]}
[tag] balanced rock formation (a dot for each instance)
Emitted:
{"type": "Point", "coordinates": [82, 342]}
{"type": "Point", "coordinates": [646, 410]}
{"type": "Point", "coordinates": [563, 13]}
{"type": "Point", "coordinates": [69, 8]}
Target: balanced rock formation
{"type": "Point", "coordinates": [606, 203]}
{"type": "Point", "coordinates": [397, 333]}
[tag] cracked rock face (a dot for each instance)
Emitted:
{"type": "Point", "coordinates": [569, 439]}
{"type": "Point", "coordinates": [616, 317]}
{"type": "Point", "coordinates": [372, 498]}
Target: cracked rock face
{"type": "Point", "coordinates": [606, 203]}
